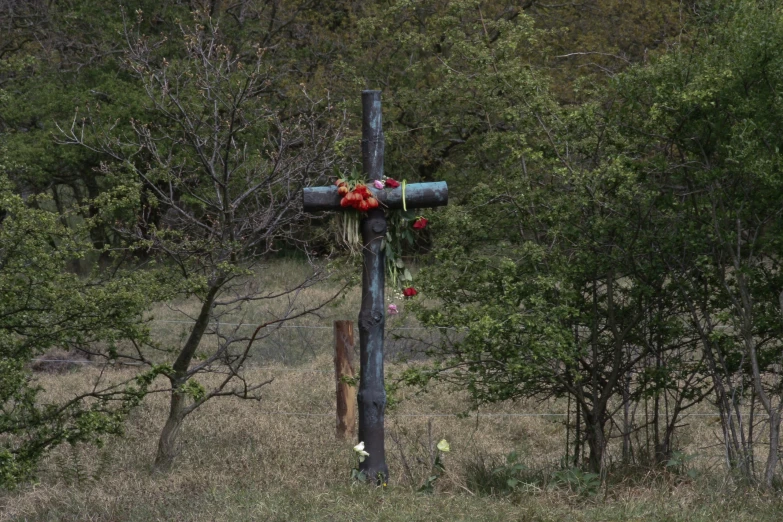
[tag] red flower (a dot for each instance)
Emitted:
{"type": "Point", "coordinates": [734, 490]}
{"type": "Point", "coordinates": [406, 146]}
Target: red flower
{"type": "Point", "coordinates": [419, 224]}
{"type": "Point", "coordinates": [391, 183]}
{"type": "Point", "coordinates": [409, 292]}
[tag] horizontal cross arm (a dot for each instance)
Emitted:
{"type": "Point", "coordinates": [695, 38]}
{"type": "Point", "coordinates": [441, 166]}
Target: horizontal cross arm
{"type": "Point", "coordinates": [417, 195]}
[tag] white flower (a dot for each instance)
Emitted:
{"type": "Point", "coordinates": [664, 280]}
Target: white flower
{"type": "Point", "coordinates": [359, 449]}
{"type": "Point", "coordinates": [443, 446]}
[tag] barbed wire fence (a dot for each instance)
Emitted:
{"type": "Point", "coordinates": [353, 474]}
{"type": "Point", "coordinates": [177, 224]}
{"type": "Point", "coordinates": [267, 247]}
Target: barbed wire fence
{"type": "Point", "coordinates": [298, 343]}
{"type": "Point", "coordinates": [287, 344]}
{"type": "Point", "coordinates": [269, 358]}
{"type": "Point", "coordinates": [290, 346]}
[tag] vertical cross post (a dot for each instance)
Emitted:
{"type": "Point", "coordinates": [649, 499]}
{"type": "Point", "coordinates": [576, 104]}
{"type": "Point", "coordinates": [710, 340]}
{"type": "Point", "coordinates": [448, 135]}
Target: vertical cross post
{"type": "Point", "coordinates": [372, 392]}
{"type": "Point", "coordinates": [372, 316]}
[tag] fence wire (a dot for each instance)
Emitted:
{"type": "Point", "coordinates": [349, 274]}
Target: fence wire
{"type": "Point", "coordinates": [295, 344]}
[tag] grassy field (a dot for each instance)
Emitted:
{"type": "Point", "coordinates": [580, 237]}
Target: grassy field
{"type": "Point", "coordinates": [278, 459]}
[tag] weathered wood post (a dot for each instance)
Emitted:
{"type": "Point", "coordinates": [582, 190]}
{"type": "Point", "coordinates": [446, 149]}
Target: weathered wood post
{"type": "Point", "coordinates": [343, 368]}
{"type": "Point", "coordinates": [372, 393]}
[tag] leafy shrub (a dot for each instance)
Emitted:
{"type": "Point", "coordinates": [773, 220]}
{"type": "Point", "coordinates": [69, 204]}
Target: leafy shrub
{"type": "Point", "coordinates": [578, 481]}
{"type": "Point", "coordinates": [489, 476]}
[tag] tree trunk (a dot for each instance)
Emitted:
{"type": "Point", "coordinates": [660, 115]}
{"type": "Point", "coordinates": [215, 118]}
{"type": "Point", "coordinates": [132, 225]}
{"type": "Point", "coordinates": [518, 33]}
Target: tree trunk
{"type": "Point", "coordinates": [577, 435]}
{"type": "Point", "coordinates": [167, 443]}
{"type": "Point", "coordinates": [774, 444]}
{"type": "Point", "coordinates": [664, 451]}
{"type": "Point", "coordinates": [167, 449]}
{"type": "Point", "coordinates": [737, 451]}
{"type": "Point", "coordinates": [597, 444]}
{"type": "Point", "coordinates": [627, 419]}
{"type": "Point", "coordinates": [596, 441]}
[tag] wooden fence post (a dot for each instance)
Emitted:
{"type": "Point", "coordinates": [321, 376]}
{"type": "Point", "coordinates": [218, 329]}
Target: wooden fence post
{"type": "Point", "coordinates": [343, 371]}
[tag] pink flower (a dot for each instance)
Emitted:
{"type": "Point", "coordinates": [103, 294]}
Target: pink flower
{"type": "Point", "coordinates": [393, 309]}
{"type": "Point", "coordinates": [409, 292]}
{"type": "Point", "coordinates": [378, 184]}
{"type": "Point", "coordinates": [391, 183]}
{"type": "Point", "coordinates": [419, 224]}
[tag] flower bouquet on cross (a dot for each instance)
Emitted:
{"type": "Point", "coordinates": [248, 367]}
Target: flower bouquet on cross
{"type": "Point", "coordinates": [357, 199]}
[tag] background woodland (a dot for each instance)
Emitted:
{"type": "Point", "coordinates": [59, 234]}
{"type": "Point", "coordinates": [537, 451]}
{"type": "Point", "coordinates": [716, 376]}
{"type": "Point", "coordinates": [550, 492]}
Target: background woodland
{"type": "Point", "coordinates": [613, 239]}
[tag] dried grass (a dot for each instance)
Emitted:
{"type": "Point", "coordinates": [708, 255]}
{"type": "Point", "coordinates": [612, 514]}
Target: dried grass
{"type": "Point", "coordinates": [247, 460]}
{"type": "Point", "coordinates": [244, 460]}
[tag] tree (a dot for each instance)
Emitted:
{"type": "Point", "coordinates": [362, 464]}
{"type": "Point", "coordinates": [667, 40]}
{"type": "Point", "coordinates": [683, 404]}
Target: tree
{"type": "Point", "coordinates": [43, 306]}
{"type": "Point", "coordinates": [457, 81]}
{"type": "Point", "coordinates": [551, 275]}
{"type": "Point", "coordinates": [638, 254]}
{"type": "Point", "coordinates": [711, 119]}
{"type": "Point", "coordinates": [592, 41]}
{"type": "Point", "coordinates": [538, 257]}
{"type": "Point", "coordinates": [214, 177]}
{"type": "Point", "coordinates": [58, 57]}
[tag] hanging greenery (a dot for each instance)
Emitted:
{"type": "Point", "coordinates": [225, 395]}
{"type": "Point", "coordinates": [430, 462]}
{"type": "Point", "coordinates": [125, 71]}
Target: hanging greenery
{"type": "Point", "coordinates": [358, 197]}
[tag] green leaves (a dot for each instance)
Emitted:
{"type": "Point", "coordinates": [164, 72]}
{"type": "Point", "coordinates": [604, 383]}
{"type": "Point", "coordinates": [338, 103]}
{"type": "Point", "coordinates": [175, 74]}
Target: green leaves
{"type": "Point", "coordinates": [43, 305]}
{"type": "Point", "coordinates": [588, 263]}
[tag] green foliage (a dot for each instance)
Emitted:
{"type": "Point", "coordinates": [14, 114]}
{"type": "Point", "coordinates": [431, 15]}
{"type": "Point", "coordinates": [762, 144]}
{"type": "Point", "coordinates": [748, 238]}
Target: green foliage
{"type": "Point", "coordinates": [350, 381]}
{"type": "Point", "coordinates": [458, 85]}
{"type": "Point", "coordinates": [428, 487]}
{"type": "Point", "coordinates": [513, 477]}
{"type": "Point", "coordinates": [510, 470]}
{"type": "Point", "coordinates": [589, 44]}
{"type": "Point", "coordinates": [358, 476]}
{"type": "Point", "coordinates": [193, 389]}
{"type": "Point", "coordinates": [398, 236]}
{"type": "Point", "coordinates": [576, 269]}
{"type": "Point", "coordinates": [491, 477]}
{"type": "Point", "coordinates": [65, 67]}
{"type": "Point", "coordinates": [680, 464]}
{"type": "Point", "coordinates": [393, 400]}
{"type": "Point", "coordinates": [624, 246]}
{"type": "Point", "coordinates": [43, 306]}
{"type": "Point", "coordinates": [718, 114]}
{"type": "Point", "coordinates": [578, 481]}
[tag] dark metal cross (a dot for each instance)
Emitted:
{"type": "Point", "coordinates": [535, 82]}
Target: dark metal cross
{"type": "Point", "coordinates": [372, 316]}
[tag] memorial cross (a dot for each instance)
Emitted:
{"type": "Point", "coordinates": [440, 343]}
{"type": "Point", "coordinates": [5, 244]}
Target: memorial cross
{"type": "Point", "coordinates": [372, 393]}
